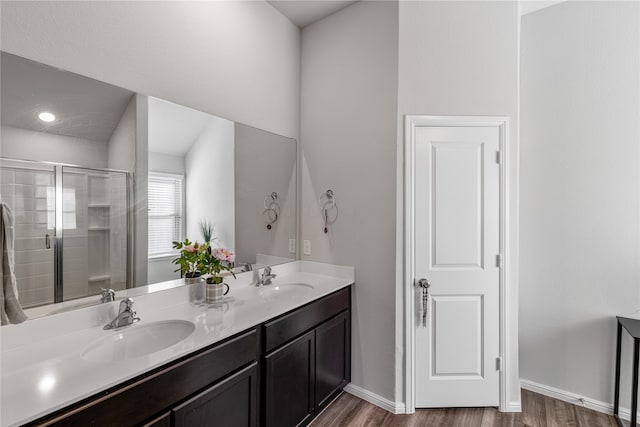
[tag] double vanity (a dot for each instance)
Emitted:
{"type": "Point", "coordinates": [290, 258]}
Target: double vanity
{"type": "Point", "coordinates": [272, 355]}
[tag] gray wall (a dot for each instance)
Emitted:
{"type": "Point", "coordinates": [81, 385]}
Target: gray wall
{"type": "Point", "coordinates": [461, 58]}
{"type": "Point", "coordinates": [579, 192]}
{"type": "Point", "coordinates": [348, 140]}
{"type": "Point", "coordinates": [29, 145]}
{"type": "Point", "coordinates": [122, 144]}
{"type": "Point", "coordinates": [160, 162]}
{"type": "Point", "coordinates": [264, 163]}
{"type": "Point", "coordinates": [235, 59]}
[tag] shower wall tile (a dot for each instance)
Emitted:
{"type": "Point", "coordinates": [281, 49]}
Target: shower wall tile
{"type": "Point", "coordinates": [39, 296]}
{"type": "Point", "coordinates": [38, 255]}
{"type": "Point", "coordinates": [7, 176]}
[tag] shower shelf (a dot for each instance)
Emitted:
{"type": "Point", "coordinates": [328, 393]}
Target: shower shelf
{"type": "Point", "coordinates": [98, 228]}
{"type": "Point", "coordinates": [100, 278]}
{"type": "Point", "coordinates": [99, 205]}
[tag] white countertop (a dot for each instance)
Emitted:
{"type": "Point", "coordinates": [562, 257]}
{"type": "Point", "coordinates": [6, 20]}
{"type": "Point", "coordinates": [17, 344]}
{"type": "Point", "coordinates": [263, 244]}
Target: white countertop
{"type": "Point", "coordinates": [41, 365]}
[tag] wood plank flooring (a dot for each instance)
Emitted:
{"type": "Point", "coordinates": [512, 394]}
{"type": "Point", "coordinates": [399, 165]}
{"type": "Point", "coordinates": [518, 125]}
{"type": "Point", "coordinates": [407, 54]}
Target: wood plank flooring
{"type": "Point", "coordinates": [537, 411]}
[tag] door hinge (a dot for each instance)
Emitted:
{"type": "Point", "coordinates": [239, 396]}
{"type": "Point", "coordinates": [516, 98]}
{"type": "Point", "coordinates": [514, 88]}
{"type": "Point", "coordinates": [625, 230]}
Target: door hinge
{"type": "Point", "coordinates": [499, 261]}
{"type": "Point", "coordinates": [498, 157]}
{"type": "Point", "coordinates": [498, 364]}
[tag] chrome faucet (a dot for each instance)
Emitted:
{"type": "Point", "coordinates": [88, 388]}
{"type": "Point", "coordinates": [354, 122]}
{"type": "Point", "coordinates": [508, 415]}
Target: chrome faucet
{"type": "Point", "coordinates": [108, 295]}
{"type": "Point", "coordinates": [126, 316]}
{"type": "Point", "coordinates": [247, 267]}
{"type": "Point", "coordinates": [266, 277]}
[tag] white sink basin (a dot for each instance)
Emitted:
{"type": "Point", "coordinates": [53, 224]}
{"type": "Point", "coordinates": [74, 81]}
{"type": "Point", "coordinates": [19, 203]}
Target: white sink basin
{"type": "Point", "coordinates": [138, 340]}
{"type": "Point", "coordinates": [280, 289]}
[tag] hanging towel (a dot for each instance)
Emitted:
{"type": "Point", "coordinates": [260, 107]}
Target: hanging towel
{"type": "Point", "coordinates": [10, 308]}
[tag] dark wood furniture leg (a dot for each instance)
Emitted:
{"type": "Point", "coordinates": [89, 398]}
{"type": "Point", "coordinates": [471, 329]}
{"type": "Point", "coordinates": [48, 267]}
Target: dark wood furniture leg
{"type": "Point", "coordinates": [616, 398]}
{"type": "Point", "coordinates": [634, 385]}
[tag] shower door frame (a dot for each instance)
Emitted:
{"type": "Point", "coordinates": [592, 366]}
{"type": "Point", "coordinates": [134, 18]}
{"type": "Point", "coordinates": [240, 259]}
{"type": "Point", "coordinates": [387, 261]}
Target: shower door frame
{"type": "Point", "coordinates": [58, 285]}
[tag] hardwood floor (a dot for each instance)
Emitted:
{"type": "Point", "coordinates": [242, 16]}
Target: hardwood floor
{"type": "Point", "coordinates": [537, 411]}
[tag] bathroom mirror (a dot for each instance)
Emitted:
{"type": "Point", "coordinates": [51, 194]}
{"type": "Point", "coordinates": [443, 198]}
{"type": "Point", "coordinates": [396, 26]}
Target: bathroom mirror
{"type": "Point", "coordinates": [101, 180]}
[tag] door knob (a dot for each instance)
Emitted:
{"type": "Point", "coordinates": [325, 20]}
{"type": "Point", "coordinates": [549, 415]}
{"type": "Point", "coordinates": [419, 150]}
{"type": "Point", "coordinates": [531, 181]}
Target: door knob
{"type": "Point", "coordinates": [424, 285]}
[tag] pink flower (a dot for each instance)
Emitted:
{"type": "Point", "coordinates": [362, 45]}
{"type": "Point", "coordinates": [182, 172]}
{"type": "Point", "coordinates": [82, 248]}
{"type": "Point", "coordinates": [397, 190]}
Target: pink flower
{"type": "Point", "coordinates": [191, 248]}
{"type": "Point", "coordinates": [224, 254]}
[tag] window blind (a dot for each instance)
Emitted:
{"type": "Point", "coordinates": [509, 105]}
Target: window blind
{"type": "Point", "coordinates": [165, 213]}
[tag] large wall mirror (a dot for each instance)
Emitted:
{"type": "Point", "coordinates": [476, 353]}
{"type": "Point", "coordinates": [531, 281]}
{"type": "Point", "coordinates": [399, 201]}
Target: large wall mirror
{"type": "Point", "coordinates": [102, 180]}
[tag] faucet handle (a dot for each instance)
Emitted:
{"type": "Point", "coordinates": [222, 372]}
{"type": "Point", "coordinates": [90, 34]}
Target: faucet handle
{"type": "Point", "coordinates": [267, 271]}
{"type": "Point", "coordinates": [126, 305]}
{"type": "Point", "coordinates": [107, 295]}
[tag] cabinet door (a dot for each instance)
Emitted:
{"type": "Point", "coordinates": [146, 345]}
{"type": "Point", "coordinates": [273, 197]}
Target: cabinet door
{"type": "Point", "coordinates": [289, 383]}
{"type": "Point", "coordinates": [230, 403]}
{"type": "Point", "coordinates": [333, 358]}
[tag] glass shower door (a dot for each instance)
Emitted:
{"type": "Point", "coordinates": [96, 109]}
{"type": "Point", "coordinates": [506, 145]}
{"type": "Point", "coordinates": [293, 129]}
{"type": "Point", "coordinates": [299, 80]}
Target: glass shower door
{"type": "Point", "coordinates": [28, 189]}
{"type": "Point", "coordinates": [94, 235]}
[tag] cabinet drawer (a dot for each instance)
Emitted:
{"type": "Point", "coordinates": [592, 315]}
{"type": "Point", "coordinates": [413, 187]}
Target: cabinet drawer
{"type": "Point", "coordinates": [131, 403]}
{"type": "Point", "coordinates": [290, 325]}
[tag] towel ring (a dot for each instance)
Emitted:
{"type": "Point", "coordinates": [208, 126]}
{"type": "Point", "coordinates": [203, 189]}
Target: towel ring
{"type": "Point", "coordinates": [329, 209]}
{"type": "Point", "coordinates": [271, 199]}
{"type": "Point", "coordinates": [271, 211]}
{"type": "Point", "coordinates": [270, 217]}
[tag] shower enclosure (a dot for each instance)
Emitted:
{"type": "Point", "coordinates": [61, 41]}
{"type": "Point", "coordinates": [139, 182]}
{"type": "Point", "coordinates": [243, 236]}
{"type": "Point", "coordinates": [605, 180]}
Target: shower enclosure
{"type": "Point", "coordinates": [71, 227]}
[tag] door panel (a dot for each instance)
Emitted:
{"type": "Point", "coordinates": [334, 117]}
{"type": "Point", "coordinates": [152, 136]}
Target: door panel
{"type": "Point", "coordinates": [457, 183]}
{"type": "Point", "coordinates": [457, 336]}
{"type": "Point", "coordinates": [457, 204]}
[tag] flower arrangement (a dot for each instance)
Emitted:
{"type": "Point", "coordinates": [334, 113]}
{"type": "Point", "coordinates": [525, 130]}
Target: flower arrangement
{"type": "Point", "coordinates": [192, 258]}
{"type": "Point", "coordinates": [215, 262]}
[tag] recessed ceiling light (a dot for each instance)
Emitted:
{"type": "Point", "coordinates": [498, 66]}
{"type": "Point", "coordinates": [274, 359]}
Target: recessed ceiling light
{"type": "Point", "coordinates": [45, 116]}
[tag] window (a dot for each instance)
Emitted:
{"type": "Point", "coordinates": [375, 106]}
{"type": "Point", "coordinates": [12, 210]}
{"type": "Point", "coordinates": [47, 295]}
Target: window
{"type": "Point", "coordinates": [165, 213]}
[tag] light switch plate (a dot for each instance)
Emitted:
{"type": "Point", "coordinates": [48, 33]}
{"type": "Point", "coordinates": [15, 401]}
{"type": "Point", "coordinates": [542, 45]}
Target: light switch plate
{"type": "Point", "coordinates": [307, 247]}
{"type": "Point", "coordinates": [292, 246]}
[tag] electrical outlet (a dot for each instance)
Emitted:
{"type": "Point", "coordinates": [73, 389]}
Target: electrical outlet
{"type": "Point", "coordinates": [307, 247]}
{"type": "Point", "coordinates": [292, 246]}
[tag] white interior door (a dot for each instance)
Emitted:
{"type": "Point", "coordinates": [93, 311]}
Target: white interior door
{"type": "Point", "coordinates": [457, 238]}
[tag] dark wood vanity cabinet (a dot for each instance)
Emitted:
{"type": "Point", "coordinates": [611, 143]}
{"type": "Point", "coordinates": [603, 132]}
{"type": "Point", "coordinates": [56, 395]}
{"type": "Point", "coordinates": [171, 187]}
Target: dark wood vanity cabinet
{"type": "Point", "coordinates": [280, 374]}
{"type": "Point", "coordinates": [232, 402]}
{"type": "Point", "coordinates": [333, 359]}
{"type": "Point", "coordinates": [148, 399]}
{"type": "Point", "coordinates": [303, 375]}
{"type": "Point", "coordinates": [289, 383]}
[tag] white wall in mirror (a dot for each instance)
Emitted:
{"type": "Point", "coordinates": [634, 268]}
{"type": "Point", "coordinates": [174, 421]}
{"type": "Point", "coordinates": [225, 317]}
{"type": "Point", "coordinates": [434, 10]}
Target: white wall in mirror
{"type": "Point", "coordinates": [210, 183]}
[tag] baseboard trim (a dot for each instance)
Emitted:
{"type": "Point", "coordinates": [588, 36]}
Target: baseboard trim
{"type": "Point", "coordinates": [513, 407]}
{"type": "Point", "coordinates": [574, 398]}
{"type": "Point", "coordinates": [384, 403]}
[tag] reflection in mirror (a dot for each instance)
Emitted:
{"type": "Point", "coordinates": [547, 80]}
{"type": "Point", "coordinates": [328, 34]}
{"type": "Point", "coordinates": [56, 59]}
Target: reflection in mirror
{"type": "Point", "coordinates": [207, 170]}
{"type": "Point", "coordinates": [101, 189]}
{"type": "Point", "coordinates": [50, 119]}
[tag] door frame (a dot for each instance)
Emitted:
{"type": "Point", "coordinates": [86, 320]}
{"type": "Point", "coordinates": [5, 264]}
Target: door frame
{"type": "Point", "coordinates": [411, 122]}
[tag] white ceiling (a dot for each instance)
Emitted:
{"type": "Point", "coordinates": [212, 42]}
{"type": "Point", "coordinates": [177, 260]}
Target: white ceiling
{"type": "Point", "coordinates": [84, 108]}
{"type": "Point", "coordinates": [305, 12]}
{"type": "Point", "coordinates": [174, 128]}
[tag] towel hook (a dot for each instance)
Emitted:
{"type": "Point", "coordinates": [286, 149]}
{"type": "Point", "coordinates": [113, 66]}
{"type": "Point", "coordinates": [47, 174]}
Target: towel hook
{"type": "Point", "coordinates": [271, 211]}
{"type": "Point", "coordinates": [329, 209]}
